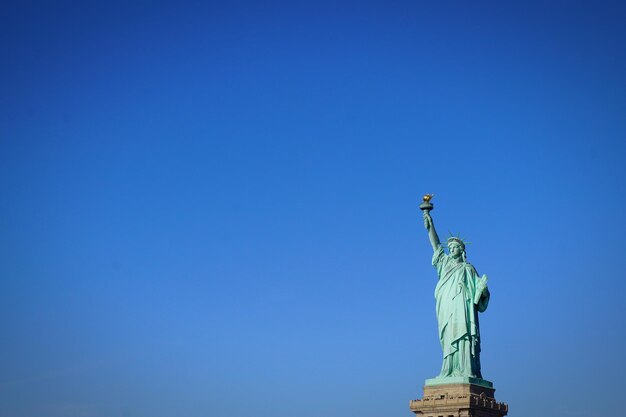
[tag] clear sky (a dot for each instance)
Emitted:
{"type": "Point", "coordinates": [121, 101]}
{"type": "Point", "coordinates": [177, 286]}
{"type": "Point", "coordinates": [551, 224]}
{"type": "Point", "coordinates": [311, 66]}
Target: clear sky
{"type": "Point", "coordinates": [211, 209]}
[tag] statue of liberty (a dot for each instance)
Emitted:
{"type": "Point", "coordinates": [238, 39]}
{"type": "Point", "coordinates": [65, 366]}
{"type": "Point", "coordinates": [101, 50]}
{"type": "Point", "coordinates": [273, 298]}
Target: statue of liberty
{"type": "Point", "coordinates": [460, 295]}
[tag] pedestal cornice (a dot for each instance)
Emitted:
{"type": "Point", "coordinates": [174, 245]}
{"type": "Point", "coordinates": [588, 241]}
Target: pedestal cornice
{"type": "Point", "coordinates": [458, 400]}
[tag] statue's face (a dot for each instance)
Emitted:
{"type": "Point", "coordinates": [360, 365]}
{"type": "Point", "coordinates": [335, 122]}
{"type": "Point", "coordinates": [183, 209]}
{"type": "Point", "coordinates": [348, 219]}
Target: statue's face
{"type": "Point", "coordinates": [455, 250]}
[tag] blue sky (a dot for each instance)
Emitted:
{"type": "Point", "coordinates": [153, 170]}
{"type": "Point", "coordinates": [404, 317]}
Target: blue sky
{"type": "Point", "coordinates": [211, 209]}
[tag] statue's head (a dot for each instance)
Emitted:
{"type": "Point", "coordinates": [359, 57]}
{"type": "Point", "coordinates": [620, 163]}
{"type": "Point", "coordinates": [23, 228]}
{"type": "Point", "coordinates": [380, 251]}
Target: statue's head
{"type": "Point", "coordinates": [456, 247]}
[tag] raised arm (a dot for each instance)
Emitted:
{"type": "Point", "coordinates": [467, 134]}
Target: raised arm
{"type": "Point", "coordinates": [432, 233]}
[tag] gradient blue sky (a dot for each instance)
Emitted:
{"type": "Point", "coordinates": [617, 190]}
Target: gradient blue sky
{"type": "Point", "coordinates": [211, 209]}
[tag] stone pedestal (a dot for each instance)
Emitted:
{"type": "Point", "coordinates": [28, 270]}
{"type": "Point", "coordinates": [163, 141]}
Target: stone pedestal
{"type": "Point", "coordinates": [458, 400]}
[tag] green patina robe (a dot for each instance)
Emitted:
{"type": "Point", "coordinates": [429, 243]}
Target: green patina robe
{"type": "Point", "coordinates": [457, 306]}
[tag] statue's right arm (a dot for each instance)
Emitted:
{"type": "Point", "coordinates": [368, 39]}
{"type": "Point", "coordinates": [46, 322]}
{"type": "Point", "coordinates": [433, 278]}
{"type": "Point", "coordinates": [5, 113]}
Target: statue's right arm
{"type": "Point", "coordinates": [432, 233]}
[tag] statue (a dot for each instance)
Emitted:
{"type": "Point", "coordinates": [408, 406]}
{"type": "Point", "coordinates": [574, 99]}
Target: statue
{"type": "Point", "coordinates": [460, 295]}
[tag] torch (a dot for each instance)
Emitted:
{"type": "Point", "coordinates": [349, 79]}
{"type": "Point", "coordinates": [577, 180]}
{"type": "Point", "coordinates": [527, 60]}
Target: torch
{"type": "Point", "coordinates": [426, 205]}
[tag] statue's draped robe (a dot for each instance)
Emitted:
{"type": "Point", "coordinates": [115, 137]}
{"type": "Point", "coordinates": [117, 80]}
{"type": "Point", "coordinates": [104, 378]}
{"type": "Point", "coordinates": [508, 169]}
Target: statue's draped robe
{"type": "Point", "coordinates": [457, 306]}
